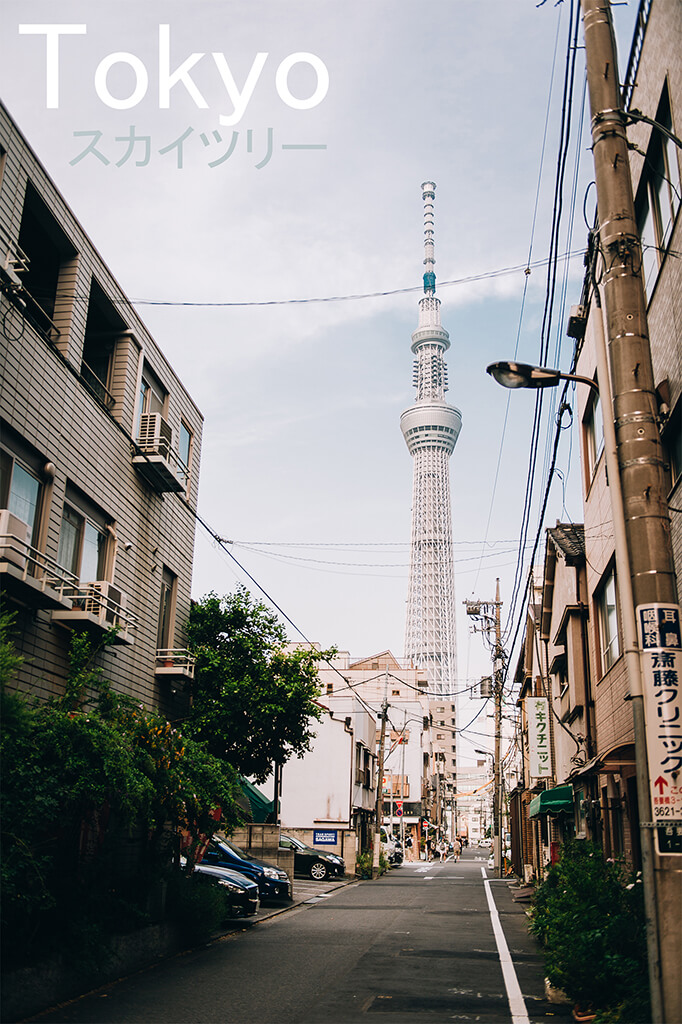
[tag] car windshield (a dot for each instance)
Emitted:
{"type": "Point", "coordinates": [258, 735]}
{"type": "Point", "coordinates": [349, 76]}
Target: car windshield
{"type": "Point", "coordinates": [233, 849]}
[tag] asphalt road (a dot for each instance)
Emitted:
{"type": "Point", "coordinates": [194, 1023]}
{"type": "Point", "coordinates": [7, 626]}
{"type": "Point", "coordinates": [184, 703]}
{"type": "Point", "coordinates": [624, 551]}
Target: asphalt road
{"type": "Point", "coordinates": [427, 942]}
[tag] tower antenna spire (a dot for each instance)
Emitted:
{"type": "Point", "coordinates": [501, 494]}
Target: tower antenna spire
{"type": "Point", "coordinates": [429, 195]}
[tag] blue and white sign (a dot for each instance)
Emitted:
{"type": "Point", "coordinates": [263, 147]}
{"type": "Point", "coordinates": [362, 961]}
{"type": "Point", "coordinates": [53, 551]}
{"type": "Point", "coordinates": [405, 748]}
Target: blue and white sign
{"type": "Point", "coordinates": [325, 837]}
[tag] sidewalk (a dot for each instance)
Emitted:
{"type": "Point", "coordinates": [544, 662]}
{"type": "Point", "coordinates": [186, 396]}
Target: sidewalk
{"type": "Point", "coordinates": [305, 891]}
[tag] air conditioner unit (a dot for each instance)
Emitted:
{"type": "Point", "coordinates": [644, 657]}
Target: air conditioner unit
{"type": "Point", "coordinates": [15, 538]}
{"type": "Point", "coordinates": [155, 434]}
{"type": "Point", "coordinates": [105, 600]}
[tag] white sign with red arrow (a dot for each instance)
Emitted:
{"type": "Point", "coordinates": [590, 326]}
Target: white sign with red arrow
{"type": "Point", "coordinates": [660, 640]}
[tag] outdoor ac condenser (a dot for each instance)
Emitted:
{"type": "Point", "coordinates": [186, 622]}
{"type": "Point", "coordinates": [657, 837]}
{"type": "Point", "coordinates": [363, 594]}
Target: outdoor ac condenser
{"type": "Point", "coordinates": [15, 538]}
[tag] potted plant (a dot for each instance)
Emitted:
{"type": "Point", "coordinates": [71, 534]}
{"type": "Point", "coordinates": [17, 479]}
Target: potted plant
{"type": "Point", "coordinates": [588, 913]}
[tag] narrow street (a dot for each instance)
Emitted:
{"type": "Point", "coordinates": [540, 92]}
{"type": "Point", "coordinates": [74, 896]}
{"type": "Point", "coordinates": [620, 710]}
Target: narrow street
{"type": "Point", "coordinates": [425, 942]}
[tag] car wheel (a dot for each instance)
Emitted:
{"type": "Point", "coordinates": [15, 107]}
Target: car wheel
{"type": "Point", "coordinates": [319, 871]}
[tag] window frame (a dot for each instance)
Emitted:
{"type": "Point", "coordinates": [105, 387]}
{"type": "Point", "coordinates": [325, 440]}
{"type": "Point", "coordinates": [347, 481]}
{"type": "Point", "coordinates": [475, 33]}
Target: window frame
{"type": "Point", "coordinates": [168, 591]}
{"type": "Point", "coordinates": [88, 519]}
{"type": "Point", "coordinates": [660, 186]}
{"type": "Point", "coordinates": [593, 433]}
{"type": "Point", "coordinates": [608, 615]}
{"type": "Point", "coordinates": [185, 464]}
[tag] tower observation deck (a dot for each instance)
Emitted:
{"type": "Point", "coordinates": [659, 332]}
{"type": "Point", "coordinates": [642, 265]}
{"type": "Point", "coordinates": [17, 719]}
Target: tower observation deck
{"type": "Point", "coordinates": [431, 427]}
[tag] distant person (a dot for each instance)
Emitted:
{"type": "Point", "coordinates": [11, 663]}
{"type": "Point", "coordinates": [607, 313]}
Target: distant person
{"type": "Point", "coordinates": [456, 849]}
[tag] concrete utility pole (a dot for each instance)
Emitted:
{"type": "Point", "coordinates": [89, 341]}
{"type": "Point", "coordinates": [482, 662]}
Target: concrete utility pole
{"type": "Point", "coordinates": [641, 461]}
{"type": "Point", "coordinates": [383, 715]}
{"type": "Point", "coordinates": [474, 609]}
{"type": "Point", "coordinates": [497, 684]}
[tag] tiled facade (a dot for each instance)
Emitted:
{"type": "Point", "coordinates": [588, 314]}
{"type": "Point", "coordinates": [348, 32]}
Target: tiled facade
{"type": "Point", "coordinates": [101, 447]}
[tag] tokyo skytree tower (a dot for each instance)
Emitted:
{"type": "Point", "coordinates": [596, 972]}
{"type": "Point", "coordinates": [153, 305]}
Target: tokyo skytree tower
{"type": "Point", "coordinates": [431, 428]}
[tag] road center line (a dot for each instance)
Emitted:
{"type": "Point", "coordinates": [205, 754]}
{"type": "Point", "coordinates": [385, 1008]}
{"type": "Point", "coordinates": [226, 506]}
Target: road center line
{"type": "Point", "coordinates": [514, 995]}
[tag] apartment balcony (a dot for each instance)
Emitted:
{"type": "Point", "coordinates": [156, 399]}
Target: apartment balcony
{"type": "Point", "coordinates": [96, 387]}
{"type": "Point", "coordinates": [27, 576]}
{"type": "Point", "coordinates": [98, 607]}
{"type": "Point", "coordinates": [174, 665]}
{"type": "Point", "coordinates": [155, 459]}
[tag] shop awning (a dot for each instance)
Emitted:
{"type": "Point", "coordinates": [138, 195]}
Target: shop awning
{"type": "Point", "coordinates": [552, 801]}
{"type": "Point", "coordinates": [261, 807]}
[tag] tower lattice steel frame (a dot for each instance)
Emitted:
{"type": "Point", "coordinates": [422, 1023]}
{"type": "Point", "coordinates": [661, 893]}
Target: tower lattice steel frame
{"type": "Point", "coordinates": [431, 428]}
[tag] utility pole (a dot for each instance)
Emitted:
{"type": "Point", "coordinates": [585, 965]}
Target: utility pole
{"type": "Point", "coordinates": [497, 684]}
{"type": "Point", "coordinates": [641, 464]}
{"type": "Point", "coordinates": [383, 715]}
{"type": "Point", "coordinates": [474, 608]}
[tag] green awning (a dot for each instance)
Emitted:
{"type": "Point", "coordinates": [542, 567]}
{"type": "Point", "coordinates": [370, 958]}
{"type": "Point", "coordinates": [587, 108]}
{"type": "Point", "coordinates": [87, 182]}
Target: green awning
{"type": "Point", "coordinates": [260, 806]}
{"type": "Point", "coordinates": [552, 801]}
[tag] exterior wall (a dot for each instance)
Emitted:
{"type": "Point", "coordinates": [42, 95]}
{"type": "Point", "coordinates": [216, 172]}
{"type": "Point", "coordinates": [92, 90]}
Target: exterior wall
{"type": "Point", "coordinates": [382, 677]}
{"type": "Point", "coordinates": [44, 399]}
{"type": "Point", "coordinates": [320, 789]}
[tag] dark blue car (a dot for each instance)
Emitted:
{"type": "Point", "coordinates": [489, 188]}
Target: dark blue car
{"type": "Point", "coordinates": [273, 883]}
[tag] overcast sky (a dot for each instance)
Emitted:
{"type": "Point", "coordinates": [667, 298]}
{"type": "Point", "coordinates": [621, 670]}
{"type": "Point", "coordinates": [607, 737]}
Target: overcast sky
{"type": "Point", "coordinates": [304, 466]}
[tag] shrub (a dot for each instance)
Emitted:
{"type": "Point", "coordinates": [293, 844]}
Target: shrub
{"type": "Point", "coordinates": [589, 915]}
{"type": "Point", "coordinates": [198, 905]}
{"type": "Point", "coordinates": [364, 864]}
{"type": "Point", "coordinates": [94, 790]}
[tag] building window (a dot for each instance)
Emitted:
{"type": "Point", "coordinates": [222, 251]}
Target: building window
{"type": "Point", "coordinates": [184, 453]}
{"type": "Point", "coordinates": [658, 195]}
{"type": "Point", "coordinates": [44, 249]}
{"type": "Point", "coordinates": [84, 538]}
{"type": "Point", "coordinates": [169, 582]}
{"type": "Point", "coordinates": [672, 439]}
{"type": "Point", "coordinates": [102, 327]}
{"type": "Point", "coordinates": [608, 622]}
{"type": "Point", "coordinates": [19, 491]}
{"type": "Point", "coordinates": [152, 397]}
{"type": "Point", "coordinates": [593, 427]}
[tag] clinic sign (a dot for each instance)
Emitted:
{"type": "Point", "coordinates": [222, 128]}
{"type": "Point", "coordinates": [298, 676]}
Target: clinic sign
{"type": "Point", "coordinates": [539, 756]}
{"type": "Point", "coordinates": [661, 653]}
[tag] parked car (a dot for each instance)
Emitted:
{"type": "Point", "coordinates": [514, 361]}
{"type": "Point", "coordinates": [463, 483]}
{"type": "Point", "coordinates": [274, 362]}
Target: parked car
{"type": "Point", "coordinates": [317, 864]}
{"type": "Point", "coordinates": [273, 883]}
{"type": "Point", "coordinates": [243, 893]}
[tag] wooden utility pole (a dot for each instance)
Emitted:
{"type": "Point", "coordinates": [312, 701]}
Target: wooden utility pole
{"type": "Point", "coordinates": [641, 462]}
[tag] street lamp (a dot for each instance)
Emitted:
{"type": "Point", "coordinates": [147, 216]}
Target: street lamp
{"type": "Point", "coordinates": [522, 375]}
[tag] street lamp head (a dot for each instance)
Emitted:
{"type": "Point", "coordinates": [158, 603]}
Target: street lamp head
{"type": "Point", "coordinates": [522, 375]}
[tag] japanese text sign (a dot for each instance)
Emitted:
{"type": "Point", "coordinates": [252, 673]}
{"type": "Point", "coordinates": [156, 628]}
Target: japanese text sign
{"type": "Point", "coordinates": [661, 654]}
{"type": "Point", "coordinates": [539, 752]}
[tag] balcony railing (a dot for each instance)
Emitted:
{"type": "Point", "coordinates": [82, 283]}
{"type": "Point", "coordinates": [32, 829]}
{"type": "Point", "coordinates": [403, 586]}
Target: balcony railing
{"type": "Point", "coordinates": [99, 605]}
{"type": "Point", "coordinates": [177, 663]}
{"type": "Point", "coordinates": [33, 578]}
{"type": "Point", "coordinates": [96, 387]}
{"type": "Point", "coordinates": [155, 458]}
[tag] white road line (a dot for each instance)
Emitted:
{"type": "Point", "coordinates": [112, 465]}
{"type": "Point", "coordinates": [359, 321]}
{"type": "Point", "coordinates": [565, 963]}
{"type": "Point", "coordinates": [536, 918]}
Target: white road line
{"type": "Point", "coordinates": [514, 995]}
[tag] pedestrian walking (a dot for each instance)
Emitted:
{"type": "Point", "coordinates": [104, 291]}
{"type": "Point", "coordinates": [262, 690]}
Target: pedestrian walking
{"type": "Point", "coordinates": [456, 849]}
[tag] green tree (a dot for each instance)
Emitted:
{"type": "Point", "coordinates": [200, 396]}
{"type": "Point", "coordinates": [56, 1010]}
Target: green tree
{"type": "Point", "coordinates": [255, 701]}
{"type": "Point", "coordinates": [95, 788]}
